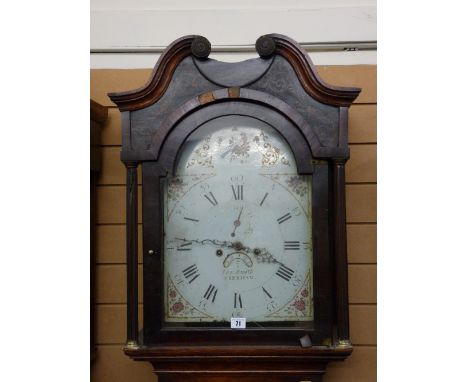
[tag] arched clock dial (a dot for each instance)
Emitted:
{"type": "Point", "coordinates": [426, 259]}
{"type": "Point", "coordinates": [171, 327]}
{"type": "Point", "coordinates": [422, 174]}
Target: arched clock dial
{"type": "Point", "coordinates": [238, 227]}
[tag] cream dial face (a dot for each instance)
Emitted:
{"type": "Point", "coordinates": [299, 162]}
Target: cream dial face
{"type": "Point", "coordinates": [238, 228]}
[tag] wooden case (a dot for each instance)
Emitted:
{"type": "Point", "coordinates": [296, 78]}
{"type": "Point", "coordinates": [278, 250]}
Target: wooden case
{"type": "Point", "coordinates": [281, 87]}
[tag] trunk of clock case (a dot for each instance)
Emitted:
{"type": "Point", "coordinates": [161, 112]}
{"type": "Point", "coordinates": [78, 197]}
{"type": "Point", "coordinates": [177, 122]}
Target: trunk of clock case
{"type": "Point", "coordinates": [153, 278]}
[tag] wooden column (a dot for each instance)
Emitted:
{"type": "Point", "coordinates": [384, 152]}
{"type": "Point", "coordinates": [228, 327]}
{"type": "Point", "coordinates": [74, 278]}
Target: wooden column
{"type": "Point", "coordinates": [341, 255]}
{"type": "Point", "coordinates": [132, 254]}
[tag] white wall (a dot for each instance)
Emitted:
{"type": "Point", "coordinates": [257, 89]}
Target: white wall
{"type": "Point", "coordinates": [131, 34]}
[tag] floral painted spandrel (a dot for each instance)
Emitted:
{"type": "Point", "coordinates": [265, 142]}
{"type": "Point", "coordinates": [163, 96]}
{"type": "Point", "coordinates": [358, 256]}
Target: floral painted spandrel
{"type": "Point", "coordinates": [301, 305]}
{"type": "Point", "coordinates": [178, 186]}
{"type": "Point", "coordinates": [202, 156]}
{"type": "Point", "coordinates": [177, 306]}
{"type": "Point", "coordinates": [271, 154]}
{"type": "Point", "coordinates": [299, 186]}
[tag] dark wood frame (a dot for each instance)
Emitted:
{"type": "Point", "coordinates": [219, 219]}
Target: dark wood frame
{"type": "Point", "coordinates": [154, 171]}
{"type": "Point", "coordinates": [275, 353]}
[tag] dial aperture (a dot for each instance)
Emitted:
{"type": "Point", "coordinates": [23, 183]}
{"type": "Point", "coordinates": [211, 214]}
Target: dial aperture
{"type": "Point", "coordinates": [236, 217]}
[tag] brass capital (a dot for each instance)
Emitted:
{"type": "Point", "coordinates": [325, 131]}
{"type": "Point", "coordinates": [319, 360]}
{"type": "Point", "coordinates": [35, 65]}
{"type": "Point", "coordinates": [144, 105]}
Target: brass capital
{"type": "Point", "coordinates": [131, 345]}
{"type": "Point", "coordinates": [344, 344]}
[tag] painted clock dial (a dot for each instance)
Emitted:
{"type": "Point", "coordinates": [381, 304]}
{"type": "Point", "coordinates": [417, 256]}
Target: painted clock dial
{"type": "Point", "coordinates": [237, 227]}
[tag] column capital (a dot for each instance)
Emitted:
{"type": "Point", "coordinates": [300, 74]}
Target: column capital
{"type": "Point", "coordinates": [339, 161]}
{"type": "Point", "coordinates": [131, 164]}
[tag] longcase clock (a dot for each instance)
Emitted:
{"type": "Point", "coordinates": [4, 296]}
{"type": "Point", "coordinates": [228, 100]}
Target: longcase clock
{"type": "Point", "coordinates": [244, 235]}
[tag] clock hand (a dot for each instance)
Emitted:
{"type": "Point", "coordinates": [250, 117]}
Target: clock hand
{"type": "Point", "coordinates": [263, 256]}
{"type": "Point", "coordinates": [218, 243]}
{"type": "Point", "coordinates": [237, 222]}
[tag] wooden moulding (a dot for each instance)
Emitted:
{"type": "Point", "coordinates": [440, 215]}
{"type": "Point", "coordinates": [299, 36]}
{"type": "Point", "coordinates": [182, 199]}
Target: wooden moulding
{"type": "Point", "coordinates": [162, 73]}
{"type": "Point", "coordinates": [308, 76]}
{"type": "Point", "coordinates": [159, 79]}
{"type": "Point", "coordinates": [248, 96]}
{"type": "Point", "coordinates": [226, 351]}
{"type": "Point", "coordinates": [228, 363]}
{"type": "Point", "coordinates": [227, 95]}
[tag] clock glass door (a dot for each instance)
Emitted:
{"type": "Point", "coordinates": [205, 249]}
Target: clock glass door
{"type": "Point", "coordinates": [237, 229]}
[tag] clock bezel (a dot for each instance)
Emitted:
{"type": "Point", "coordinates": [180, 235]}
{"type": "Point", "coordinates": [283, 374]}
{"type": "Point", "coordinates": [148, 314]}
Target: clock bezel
{"type": "Point", "coordinates": [168, 146]}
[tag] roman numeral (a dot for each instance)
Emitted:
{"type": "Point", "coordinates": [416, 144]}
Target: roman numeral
{"type": "Point", "coordinates": [211, 198]}
{"type": "Point", "coordinates": [191, 273]}
{"type": "Point", "coordinates": [238, 192]}
{"type": "Point", "coordinates": [291, 245]}
{"type": "Point", "coordinates": [263, 199]}
{"type": "Point", "coordinates": [284, 272]}
{"type": "Point", "coordinates": [193, 220]}
{"type": "Point", "coordinates": [185, 247]}
{"type": "Point", "coordinates": [211, 291]}
{"type": "Point", "coordinates": [237, 300]}
{"type": "Point", "coordinates": [266, 292]}
{"type": "Point", "coordinates": [283, 218]}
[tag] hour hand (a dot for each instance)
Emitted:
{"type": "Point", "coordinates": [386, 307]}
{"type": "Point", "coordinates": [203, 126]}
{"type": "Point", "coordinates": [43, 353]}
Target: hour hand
{"type": "Point", "coordinates": [237, 222]}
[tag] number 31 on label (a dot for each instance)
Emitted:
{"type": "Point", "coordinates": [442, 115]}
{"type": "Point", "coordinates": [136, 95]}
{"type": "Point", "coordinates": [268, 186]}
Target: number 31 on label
{"type": "Point", "coordinates": [238, 323]}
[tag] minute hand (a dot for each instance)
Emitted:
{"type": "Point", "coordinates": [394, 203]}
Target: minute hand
{"type": "Point", "coordinates": [217, 243]}
{"type": "Point", "coordinates": [263, 256]}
